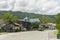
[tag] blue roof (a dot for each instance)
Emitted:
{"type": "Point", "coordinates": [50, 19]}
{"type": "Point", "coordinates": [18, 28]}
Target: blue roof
{"type": "Point", "coordinates": [35, 20]}
{"type": "Point", "coordinates": [26, 18]}
{"type": "Point", "coordinates": [30, 20]}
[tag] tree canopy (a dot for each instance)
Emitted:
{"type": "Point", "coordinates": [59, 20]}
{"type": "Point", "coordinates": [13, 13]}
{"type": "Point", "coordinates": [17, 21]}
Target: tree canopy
{"type": "Point", "coordinates": [43, 18]}
{"type": "Point", "coordinates": [58, 22]}
{"type": "Point", "coordinates": [9, 17]}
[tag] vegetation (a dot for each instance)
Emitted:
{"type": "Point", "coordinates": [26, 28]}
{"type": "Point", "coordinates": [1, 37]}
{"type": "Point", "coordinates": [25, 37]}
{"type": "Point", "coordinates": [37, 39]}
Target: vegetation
{"type": "Point", "coordinates": [43, 18]}
{"type": "Point", "coordinates": [58, 22]}
{"type": "Point", "coordinates": [9, 17]}
{"type": "Point", "coordinates": [35, 25]}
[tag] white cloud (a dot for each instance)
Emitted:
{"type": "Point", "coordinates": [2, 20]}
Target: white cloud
{"type": "Point", "coordinates": [36, 6]}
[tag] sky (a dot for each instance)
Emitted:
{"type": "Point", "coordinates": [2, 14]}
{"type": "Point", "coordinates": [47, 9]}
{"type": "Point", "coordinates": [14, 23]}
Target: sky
{"type": "Point", "coordinates": [49, 7]}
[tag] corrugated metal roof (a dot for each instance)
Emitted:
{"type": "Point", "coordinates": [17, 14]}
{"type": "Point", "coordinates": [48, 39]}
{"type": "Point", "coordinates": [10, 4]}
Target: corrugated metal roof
{"type": "Point", "coordinates": [26, 18]}
{"type": "Point", "coordinates": [34, 20]}
{"type": "Point", "coordinates": [30, 20]}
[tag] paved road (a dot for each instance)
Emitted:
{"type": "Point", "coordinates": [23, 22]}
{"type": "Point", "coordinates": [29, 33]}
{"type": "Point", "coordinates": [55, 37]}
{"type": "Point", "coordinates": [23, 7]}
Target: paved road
{"type": "Point", "coordinates": [31, 35]}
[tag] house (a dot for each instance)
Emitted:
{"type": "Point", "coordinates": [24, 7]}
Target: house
{"type": "Point", "coordinates": [9, 27]}
{"type": "Point", "coordinates": [51, 26]}
{"type": "Point", "coordinates": [26, 22]}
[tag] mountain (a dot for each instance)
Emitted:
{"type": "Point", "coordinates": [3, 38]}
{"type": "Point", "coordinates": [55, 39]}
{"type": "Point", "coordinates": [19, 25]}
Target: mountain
{"type": "Point", "coordinates": [43, 18]}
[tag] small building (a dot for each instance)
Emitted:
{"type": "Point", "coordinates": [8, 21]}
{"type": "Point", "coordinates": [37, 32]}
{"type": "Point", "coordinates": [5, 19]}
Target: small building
{"type": "Point", "coordinates": [48, 26]}
{"type": "Point", "coordinates": [51, 26]}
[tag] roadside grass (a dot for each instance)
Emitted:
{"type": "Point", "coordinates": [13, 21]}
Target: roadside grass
{"type": "Point", "coordinates": [56, 32]}
{"type": "Point", "coordinates": [1, 33]}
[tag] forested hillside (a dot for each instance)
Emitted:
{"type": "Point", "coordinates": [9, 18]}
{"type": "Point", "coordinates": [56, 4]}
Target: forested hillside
{"type": "Point", "coordinates": [43, 18]}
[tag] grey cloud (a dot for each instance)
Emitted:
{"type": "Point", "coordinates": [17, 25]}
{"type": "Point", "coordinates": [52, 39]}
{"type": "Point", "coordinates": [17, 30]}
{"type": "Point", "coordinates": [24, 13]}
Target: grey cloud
{"type": "Point", "coordinates": [3, 6]}
{"type": "Point", "coordinates": [23, 4]}
{"type": "Point", "coordinates": [37, 6]}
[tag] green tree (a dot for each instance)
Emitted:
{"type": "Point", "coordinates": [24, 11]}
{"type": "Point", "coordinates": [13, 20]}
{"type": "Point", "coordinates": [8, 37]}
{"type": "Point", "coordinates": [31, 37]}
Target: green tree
{"type": "Point", "coordinates": [45, 19]}
{"type": "Point", "coordinates": [35, 25]}
{"type": "Point", "coordinates": [14, 19]}
{"type": "Point", "coordinates": [58, 22]}
{"type": "Point", "coordinates": [9, 17]}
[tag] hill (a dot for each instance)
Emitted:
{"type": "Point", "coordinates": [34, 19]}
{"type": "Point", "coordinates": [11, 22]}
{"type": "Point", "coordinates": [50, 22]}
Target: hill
{"type": "Point", "coordinates": [43, 18]}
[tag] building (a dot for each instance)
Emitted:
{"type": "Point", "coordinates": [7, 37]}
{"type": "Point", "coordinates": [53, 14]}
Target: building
{"type": "Point", "coordinates": [26, 22]}
{"type": "Point", "coordinates": [51, 26]}
{"type": "Point", "coordinates": [9, 27]}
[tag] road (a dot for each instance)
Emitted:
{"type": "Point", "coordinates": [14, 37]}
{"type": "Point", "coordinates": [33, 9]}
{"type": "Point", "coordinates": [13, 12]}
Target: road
{"type": "Point", "coordinates": [29, 35]}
